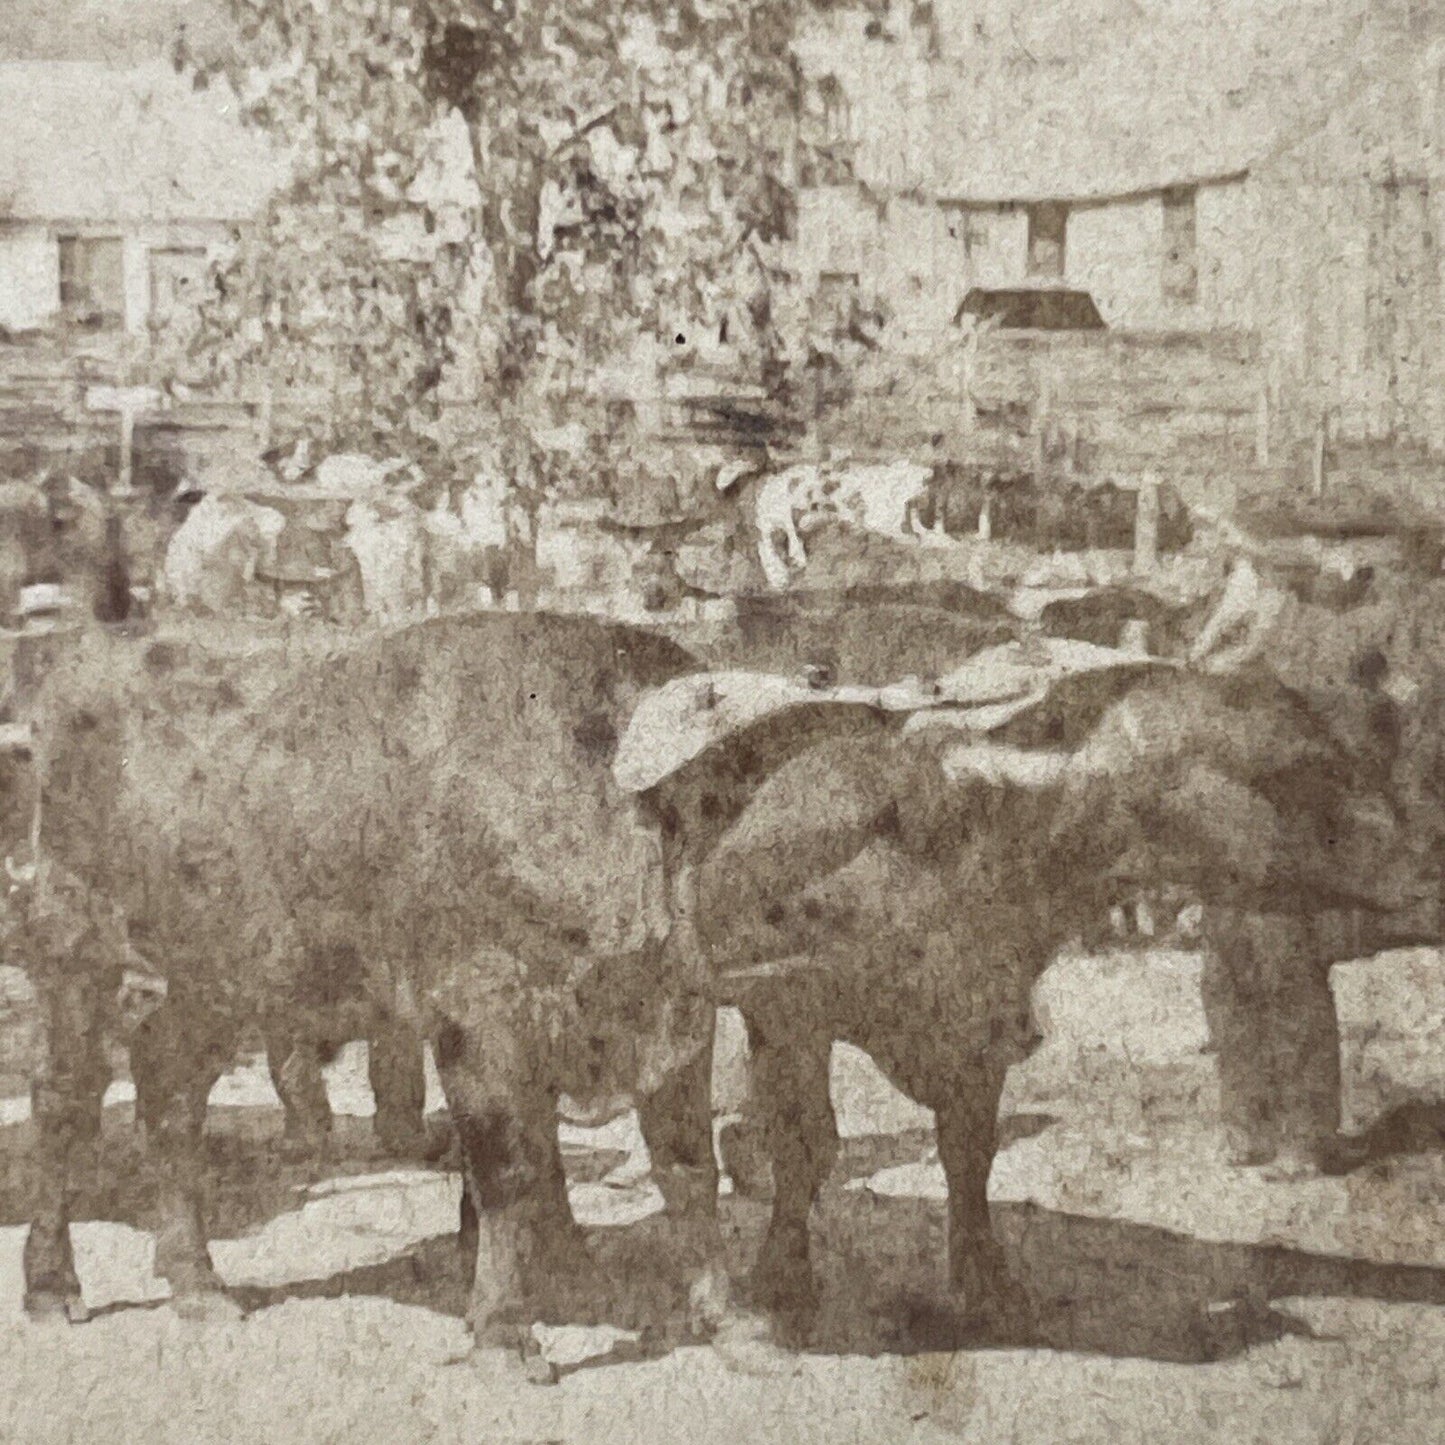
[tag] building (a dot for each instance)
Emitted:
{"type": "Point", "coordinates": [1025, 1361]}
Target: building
{"type": "Point", "coordinates": [116, 188]}
{"type": "Point", "coordinates": [1265, 172]}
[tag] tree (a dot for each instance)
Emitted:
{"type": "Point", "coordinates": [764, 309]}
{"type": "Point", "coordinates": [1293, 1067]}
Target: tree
{"type": "Point", "coordinates": [631, 174]}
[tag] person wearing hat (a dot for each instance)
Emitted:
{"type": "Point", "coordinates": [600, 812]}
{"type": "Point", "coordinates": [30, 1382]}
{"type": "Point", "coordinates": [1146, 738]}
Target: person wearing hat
{"type": "Point", "coordinates": [1333, 613]}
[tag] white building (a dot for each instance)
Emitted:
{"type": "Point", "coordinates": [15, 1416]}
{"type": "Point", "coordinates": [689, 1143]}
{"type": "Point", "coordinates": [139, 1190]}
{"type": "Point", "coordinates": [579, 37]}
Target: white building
{"type": "Point", "coordinates": [116, 188]}
{"type": "Point", "coordinates": [1262, 169]}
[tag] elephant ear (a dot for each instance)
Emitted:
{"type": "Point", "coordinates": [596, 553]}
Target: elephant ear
{"type": "Point", "coordinates": [828, 779]}
{"type": "Point", "coordinates": [923, 795]}
{"type": "Point", "coordinates": [811, 815]}
{"type": "Point", "coordinates": [1230, 843]}
{"type": "Point", "coordinates": [1251, 729]}
{"type": "Point", "coordinates": [1236, 790]}
{"type": "Point", "coordinates": [678, 722]}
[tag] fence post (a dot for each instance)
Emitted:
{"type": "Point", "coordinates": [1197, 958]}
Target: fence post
{"type": "Point", "coordinates": [1041, 421]}
{"type": "Point", "coordinates": [1146, 524]}
{"type": "Point", "coordinates": [264, 419]}
{"type": "Point", "coordinates": [1320, 450]}
{"type": "Point", "coordinates": [967, 389]}
{"type": "Point", "coordinates": [127, 450]}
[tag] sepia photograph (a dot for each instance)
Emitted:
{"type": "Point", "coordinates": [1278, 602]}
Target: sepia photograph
{"type": "Point", "coordinates": [722, 721]}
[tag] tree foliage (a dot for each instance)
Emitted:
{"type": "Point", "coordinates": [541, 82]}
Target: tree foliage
{"type": "Point", "coordinates": [629, 167]}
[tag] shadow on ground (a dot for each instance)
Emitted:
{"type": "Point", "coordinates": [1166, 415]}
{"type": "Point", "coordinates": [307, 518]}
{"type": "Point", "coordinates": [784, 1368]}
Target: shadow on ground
{"type": "Point", "coordinates": [1092, 1285]}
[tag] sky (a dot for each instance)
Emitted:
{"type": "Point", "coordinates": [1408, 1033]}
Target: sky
{"type": "Point", "coordinates": [128, 31]}
{"type": "Point", "coordinates": [115, 31]}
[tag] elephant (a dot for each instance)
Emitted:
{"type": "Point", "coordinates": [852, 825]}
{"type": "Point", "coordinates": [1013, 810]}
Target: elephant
{"type": "Point", "coordinates": [446, 790]}
{"type": "Point", "coordinates": [902, 888]}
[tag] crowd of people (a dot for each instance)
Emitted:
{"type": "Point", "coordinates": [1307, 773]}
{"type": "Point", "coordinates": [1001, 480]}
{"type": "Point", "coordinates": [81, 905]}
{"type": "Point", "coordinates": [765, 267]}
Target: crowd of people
{"type": "Point", "coordinates": [349, 542]}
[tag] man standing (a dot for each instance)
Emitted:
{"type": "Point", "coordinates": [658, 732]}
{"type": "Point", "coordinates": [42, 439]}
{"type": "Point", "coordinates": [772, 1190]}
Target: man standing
{"type": "Point", "coordinates": [1336, 614]}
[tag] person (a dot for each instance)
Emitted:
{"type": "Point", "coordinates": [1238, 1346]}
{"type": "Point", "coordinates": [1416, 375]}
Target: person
{"type": "Point", "coordinates": [1319, 614]}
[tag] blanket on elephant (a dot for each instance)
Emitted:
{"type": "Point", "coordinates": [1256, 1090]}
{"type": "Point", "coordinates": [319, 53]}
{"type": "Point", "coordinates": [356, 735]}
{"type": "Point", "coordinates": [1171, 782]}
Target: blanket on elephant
{"type": "Point", "coordinates": [684, 718]}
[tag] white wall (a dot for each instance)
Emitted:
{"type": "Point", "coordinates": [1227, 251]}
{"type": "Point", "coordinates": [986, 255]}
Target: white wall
{"type": "Point", "coordinates": [30, 266]}
{"type": "Point", "coordinates": [29, 278]}
{"type": "Point", "coordinates": [137, 284]}
{"type": "Point", "coordinates": [923, 258]}
{"type": "Point", "coordinates": [1116, 253]}
{"type": "Point", "coordinates": [1227, 223]}
{"type": "Point", "coordinates": [996, 244]}
{"type": "Point", "coordinates": [837, 231]}
{"type": "Point", "coordinates": [212, 236]}
{"type": "Point", "coordinates": [914, 255]}
{"type": "Point", "coordinates": [919, 269]}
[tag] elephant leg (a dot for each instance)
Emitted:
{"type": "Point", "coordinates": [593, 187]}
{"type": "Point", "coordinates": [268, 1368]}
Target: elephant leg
{"type": "Point", "coordinates": [506, 1127]}
{"type": "Point", "coordinates": [398, 1083]}
{"type": "Point", "coordinates": [967, 1121]}
{"type": "Point", "coordinates": [563, 1246]}
{"type": "Point", "coordinates": [66, 1099]}
{"type": "Point", "coordinates": [1275, 1033]}
{"type": "Point", "coordinates": [295, 1060]}
{"type": "Point", "coordinates": [795, 1113]}
{"type": "Point", "coordinates": [676, 1116]}
{"type": "Point", "coordinates": [181, 1052]}
{"type": "Point", "coordinates": [467, 1228]}
{"type": "Point", "coordinates": [676, 1124]}
{"type": "Point", "coordinates": [740, 1144]}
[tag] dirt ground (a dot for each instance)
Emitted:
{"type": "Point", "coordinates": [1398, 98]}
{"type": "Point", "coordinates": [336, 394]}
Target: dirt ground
{"type": "Point", "coordinates": [1176, 1298]}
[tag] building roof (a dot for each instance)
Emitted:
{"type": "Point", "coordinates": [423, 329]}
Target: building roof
{"type": "Point", "coordinates": [1181, 95]}
{"type": "Point", "coordinates": [1389, 126]}
{"type": "Point", "coordinates": [85, 142]}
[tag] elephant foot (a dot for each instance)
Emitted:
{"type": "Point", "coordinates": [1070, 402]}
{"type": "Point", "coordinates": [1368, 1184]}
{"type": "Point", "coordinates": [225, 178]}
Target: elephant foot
{"type": "Point", "coordinates": [52, 1287]}
{"type": "Point", "coordinates": [537, 1369]}
{"type": "Point", "coordinates": [508, 1353]}
{"type": "Point", "coordinates": [985, 1297]}
{"type": "Point", "coordinates": [746, 1345]}
{"type": "Point", "coordinates": [197, 1292]}
{"type": "Point", "coordinates": [411, 1139]}
{"type": "Point", "coordinates": [745, 1160]}
{"type": "Point", "coordinates": [56, 1306]}
{"type": "Point", "coordinates": [513, 1364]}
{"type": "Point", "coordinates": [782, 1277]}
{"type": "Point", "coordinates": [710, 1301]}
{"type": "Point", "coordinates": [206, 1306]}
{"type": "Point", "coordinates": [299, 1146]}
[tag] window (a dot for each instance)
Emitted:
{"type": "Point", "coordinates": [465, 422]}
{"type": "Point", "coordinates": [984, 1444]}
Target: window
{"type": "Point", "coordinates": [837, 114]}
{"type": "Point", "coordinates": [827, 131]}
{"type": "Point", "coordinates": [92, 279]}
{"type": "Point", "coordinates": [977, 236]}
{"type": "Point", "coordinates": [1181, 259]}
{"type": "Point", "coordinates": [178, 282]}
{"type": "Point", "coordinates": [1048, 224]}
{"type": "Point", "coordinates": [835, 302]}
